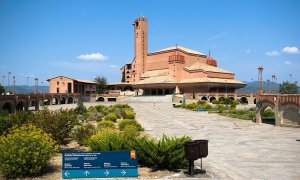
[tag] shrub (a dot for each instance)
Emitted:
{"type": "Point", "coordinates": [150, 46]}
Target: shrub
{"type": "Point", "coordinates": [201, 102]}
{"type": "Point", "coordinates": [232, 110]}
{"type": "Point", "coordinates": [107, 140]}
{"type": "Point", "coordinates": [80, 109]}
{"type": "Point", "coordinates": [16, 119]}
{"type": "Point", "coordinates": [221, 108]}
{"type": "Point", "coordinates": [121, 106]}
{"type": "Point", "coordinates": [58, 123]}
{"type": "Point", "coordinates": [106, 124]}
{"type": "Point", "coordinates": [233, 104]}
{"type": "Point", "coordinates": [110, 117]}
{"type": "Point", "coordinates": [191, 106]}
{"type": "Point", "coordinates": [117, 112]}
{"type": "Point", "coordinates": [183, 105]}
{"type": "Point", "coordinates": [81, 133]}
{"type": "Point", "coordinates": [25, 151]}
{"type": "Point", "coordinates": [130, 132]}
{"type": "Point", "coordinates": [207, 106]}
{"type": "Point", "coordinates": [95, 116]}
{"type": "Point", "coordinates": [125, 122]}
{"type": "Point", "coordinates": [215, 102]}
{"type": "Point", "coordinates": [268, 114]}
{"type": "Point", "coordinates": [127, 114]}
{"type": "Point", "coordinates": [168, 153]}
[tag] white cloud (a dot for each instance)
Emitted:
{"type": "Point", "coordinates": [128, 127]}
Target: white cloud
{"type": "Point", "coordinates": [291, 50]}
{"type": "Point", "coordinates": [287, 62]}
{"type": "Point", "coordinates": [217, 36]}
{"type": "Point", "coordinates": [93, 57]}
{"type": "Point", "coordinates": [272, 53]}
{"type": "Point", "coordinates": [113, 66]}
{"type": "Point", "coordinates": [248, 51]}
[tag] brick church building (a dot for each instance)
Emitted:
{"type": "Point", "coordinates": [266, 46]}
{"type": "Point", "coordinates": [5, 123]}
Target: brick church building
{"type": "Point", "coordinates": [174, 70]}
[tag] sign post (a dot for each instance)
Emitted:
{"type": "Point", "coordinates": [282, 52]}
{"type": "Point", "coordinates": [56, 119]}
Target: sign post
{"type": "Point", "coordinates": [100, 164]}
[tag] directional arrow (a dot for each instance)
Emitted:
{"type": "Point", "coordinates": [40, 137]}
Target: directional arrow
{"type": "Point", "coordinates": [123, 172]}
{"type": "Point", "coordinates": [106, 173]}
{"type": "Point", "coordinates": [67, 174]}
{"type": "Point", "coordinates": [86, 173]}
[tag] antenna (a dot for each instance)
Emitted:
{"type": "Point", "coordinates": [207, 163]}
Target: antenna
{"type": "Point", "coordinates": [209, 53]}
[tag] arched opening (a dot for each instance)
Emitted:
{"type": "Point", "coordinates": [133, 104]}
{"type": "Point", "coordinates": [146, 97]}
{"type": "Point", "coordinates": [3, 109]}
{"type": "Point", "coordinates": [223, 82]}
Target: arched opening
{"type": "Point", "coordinates": [100, 98]}
{"type": "Point", "coordinates": [46, 101]}
{"type": "Point", "coordinates": [204, 98]}
{"type": "Point", "coordinates": [55, 100]}
{"type": "Point", "coordinates": [211, 99]}
{"type": "Point", "coordinates": [153, 92]}
{"type": "Point", "coordinates": [63, 100]}
{"type": "Point", "coordinates": [231, 98]}
{"type": "Point", "coordinates": [127, 72]}
{"type": "Point", "coordinates": [267, 115]}
{"type": "Point", "coordinates": [70, 100]}
{"type": "Point", "coordinates": [167, 91]}
{"type": "Point", "coordinates": [128, 77]}
{"type": "Point", "coordinates": [7, 107]}
{"type": "Point", "coordinates": [111, 99]}
{"type": "Point", "coordinates": [221, 99]}
{"type": "Point", "coordinates": [160, 92]}
{"type": "Point", "coordinates": [33, 103]}
{"type": "Point", "coordinates": [20, 106]}
{"type": "Point", "coordinates": [128, 88]}
{"type": "Point", "coordinates": [244, 100]}
{"type": "Point", "coordinates": [254, 101]}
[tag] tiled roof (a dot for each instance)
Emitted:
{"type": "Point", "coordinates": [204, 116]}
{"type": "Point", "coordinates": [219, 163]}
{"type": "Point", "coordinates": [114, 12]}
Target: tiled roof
{"type": "Point", "coordinates": [214, 80]}
{"type": "Point", "coordinates": [181, 48]}
{"type": "Point", "coordinates": [162, 72]}
{"type": "Point", "coordinates": [207, 68]}
{"type": "Point", "coordinates": [156, 79]}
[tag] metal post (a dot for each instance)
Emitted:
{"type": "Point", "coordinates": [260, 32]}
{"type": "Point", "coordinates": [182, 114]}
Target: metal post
{"type": "Point", "coordinates": [36, 85]}
{"type": "Point", "coordinates": [268, 86]}
{"type": "Point", "coordinates": [14, 81]}
{"type": "Point", "coordinates": [3, 78]}
{"type": "Point", "coordinates": [9, 73]}
{"type": "Point", "coordinates": [27, 84]}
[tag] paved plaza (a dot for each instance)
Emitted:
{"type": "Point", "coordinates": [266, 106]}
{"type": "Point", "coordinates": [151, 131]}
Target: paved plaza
{"type": "Point", "coordinates": [238, 149]}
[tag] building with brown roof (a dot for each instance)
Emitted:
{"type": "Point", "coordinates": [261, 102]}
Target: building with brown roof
{"type": "Point", "coordinates": [62, 84]}
{"type": "Point", "coordinates": [174, 69]}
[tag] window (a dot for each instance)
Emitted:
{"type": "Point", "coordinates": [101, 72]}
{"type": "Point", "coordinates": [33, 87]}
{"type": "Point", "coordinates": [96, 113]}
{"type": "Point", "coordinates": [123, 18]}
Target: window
{"type": "Point", "coordinates": [57, 90]}
{"type": "Point", "coordinates": [57, 82]}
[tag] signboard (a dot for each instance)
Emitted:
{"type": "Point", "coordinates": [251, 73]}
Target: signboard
{"type": "Point", "coordinates": [98, 164]}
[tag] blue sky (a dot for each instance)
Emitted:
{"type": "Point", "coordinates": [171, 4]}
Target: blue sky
{"type": "Point", "coordinates": [82, 39]}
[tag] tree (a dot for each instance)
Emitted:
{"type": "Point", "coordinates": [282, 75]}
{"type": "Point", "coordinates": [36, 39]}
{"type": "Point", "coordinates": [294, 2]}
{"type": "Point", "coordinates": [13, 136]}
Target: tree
{"type": "Point", "coordinates": [101, 82]}
{"type": "Point", "coordinates": [2, 89]}
{"type": "Point", "coordinates": [288, 88]}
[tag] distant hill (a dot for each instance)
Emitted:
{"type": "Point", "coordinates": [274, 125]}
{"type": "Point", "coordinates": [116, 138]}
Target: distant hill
{"type": "Point", "coordinates": [252, 87]}
{"type": "Point", "coordinates": [30, 89]}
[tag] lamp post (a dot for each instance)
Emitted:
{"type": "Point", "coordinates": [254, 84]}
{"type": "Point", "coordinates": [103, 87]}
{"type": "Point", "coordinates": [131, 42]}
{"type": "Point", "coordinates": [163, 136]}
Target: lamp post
{"type": "Point", "coordinates": [9, 73]}
{"type": "Point", "coordinates": [14, 81]}
{"type": "Point", "coordinates": [268, 86]}
{"type": "Point", "coordinates": [36, 84]}
{"type": "Point", "coordinates": [260, 70]}
{"type": "Point", "coordinates": [3, 78]}
{"type": "Point", "coordinates": [273, 83]}
{"type": "Point", "coordinates": [27, 84]}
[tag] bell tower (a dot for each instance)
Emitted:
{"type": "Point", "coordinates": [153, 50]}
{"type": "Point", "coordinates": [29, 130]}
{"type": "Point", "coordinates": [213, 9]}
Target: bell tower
{"type": "Point", "coordinates": [140, 47]}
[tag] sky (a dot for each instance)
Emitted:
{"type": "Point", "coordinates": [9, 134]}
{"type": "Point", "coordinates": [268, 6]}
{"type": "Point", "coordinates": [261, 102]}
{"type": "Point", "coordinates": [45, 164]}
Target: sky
{"type": "Point", "coordinates": [86, 38]}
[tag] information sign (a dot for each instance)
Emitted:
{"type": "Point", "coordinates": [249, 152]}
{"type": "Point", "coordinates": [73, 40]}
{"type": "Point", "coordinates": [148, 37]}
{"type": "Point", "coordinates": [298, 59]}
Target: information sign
{"type": "Point", "coordinates": [101, 164]}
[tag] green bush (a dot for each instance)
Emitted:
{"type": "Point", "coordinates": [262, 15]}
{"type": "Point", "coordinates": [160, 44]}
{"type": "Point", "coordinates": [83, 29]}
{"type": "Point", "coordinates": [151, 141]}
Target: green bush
{"type": "Point", "coordinates": [127, 114]}
{"type": "Point", "coordinates": [110, 117]}
{"type": "Point", "coordinates": [81, 133]}
{"type": "Point", "coordinates": [125, 122]}
{"type": "Point", "coordinates": [117, 112]}
{"type": "Point", "coordinates": [95, 116]}
{"type": "Point", "coordinates": [215, 102]}
{"type": "Point", "coordinates": [16, 119]}
{"type": "Point", "coordinates": [80, 109]}
{"type": "Point", "coordinates": [58, 123]}
{"type": "Point", "coordinates": [201, 103]}
{"type": "Point", "coordinates": [167, 153]}
{"type": "Point", "coordinates": [121, 106]}
{"type": "Point", "coordinates": [221, 108]}
{"type": "Point", "coordinates": [107, 140]}
{"type": "Point", "coordinates": [232, 111]}
{"type": "Point", "coordinates": [130, 132]}
{"type": "Point", "coordinates": [25, 151]}
{"type": "Point", "coordinates": [191, 106]}
{"type": "Point", "coordinates": [268, 114]}
{"type": "Point", "coordinates": [207, 106]}
{"type": "Point", "coordinates": [233, 104]}
{"type": "Point", "coordinates": [106, 124]}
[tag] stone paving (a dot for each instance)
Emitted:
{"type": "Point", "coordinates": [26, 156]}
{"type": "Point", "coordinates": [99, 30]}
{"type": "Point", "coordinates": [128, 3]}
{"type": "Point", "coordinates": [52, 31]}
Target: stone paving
{"type": "Point", "coordinates": [238, 149]}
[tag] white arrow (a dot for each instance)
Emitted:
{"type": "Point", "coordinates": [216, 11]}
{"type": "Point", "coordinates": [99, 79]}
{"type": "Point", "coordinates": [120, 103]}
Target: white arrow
{"type": "Point", "coordinates": [67, 174]}
{"type": "Point", "coordinates": [86, 173]}
{"type": "Point", "coordinates": [106, 173]}
{"type": "Point", "coordinates": [123, 172]}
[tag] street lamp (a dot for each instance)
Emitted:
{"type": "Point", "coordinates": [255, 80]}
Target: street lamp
{"type": "Point", "coordinates": [268, 86]}
{"type": "Point", "coordinates": [9, 73]}
{"type": "Point", "coordinates": [27, 84]}
{"type": "Point", "coordinates": [3, 78]}
{"type": "Point", "coordinates": [14, 81]}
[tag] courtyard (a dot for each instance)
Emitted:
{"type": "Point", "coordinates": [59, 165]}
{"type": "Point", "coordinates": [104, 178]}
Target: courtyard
{"type": "Point", "coordinates": [238, 149]}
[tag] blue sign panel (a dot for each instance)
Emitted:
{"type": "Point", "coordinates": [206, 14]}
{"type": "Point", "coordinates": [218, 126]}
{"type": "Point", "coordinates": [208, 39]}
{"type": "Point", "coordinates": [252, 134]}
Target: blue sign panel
{"type": "Point", "coordinates": [100, 164]}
